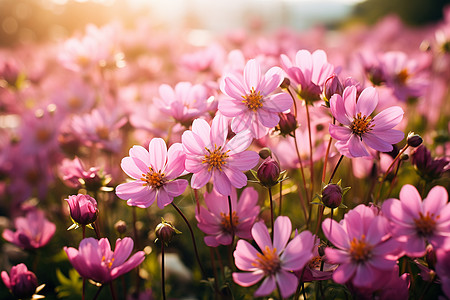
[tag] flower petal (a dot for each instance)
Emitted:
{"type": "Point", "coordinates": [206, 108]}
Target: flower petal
{"type": "Point", "coordinates": [222, 184]}
{"type": "Point", "coordinates": [287, 283]}
{"type": "Point", "coordinates": [245, 256]}
{"type": "Point", "coordinates": [374, 142]}
{"type": "Point", "coordinates": [278, 102]}
{"type": "Point", "coordinates": [367, 101]}
{"type": "Point", "coordinates": [340, 133]}
{"type": "Point", "coordinates": [252, 75]}
{"type": "Point", "coordinates": [266, 287]}
{"type": "Point", "coordinates": [261, 235]}
{"type": "Point", "coordinates": [349, 96]}
{"type": "Point", "coordinates": [199, 179]}
{"type": "Point", "coordinates": [338, 109]}
{"type": "Point", "coordinates": [122, 250]}
{"type": "Point", "coordinates": [356, 147]}
{"type": "Point", "coordinates": [158, 153]}
{"type": "Point", "coordinates": [282, 233]}
{"type": "Point", "coordinates": [247, 279]}
{"type": "Point", "coordinates": [388, 118]}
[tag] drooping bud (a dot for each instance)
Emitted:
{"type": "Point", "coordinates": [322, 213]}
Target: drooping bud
{"type": "Point", "coordinates": [414, 140]}
{"type": "Point", "coordinates": [269, 172]}
{"type": "Point", "coordinates": [333, 86]}
{"type": "Point", "coordinates": [332, 195]}
{"type": "Point", "coordinates": [428, 167]}
{"type": "Point", "coordinates": [286, 83]}
{"type": "Point", "coordinates": [120, 227]}
{"type": "Point", "coordinates": [21, 282]}
{"type": "Point", "coordinates": [83, 209]}
{"type": "Point", "coordinates": [165, 231]}
{"type": "Point", "coordinates": [287, 123]}
{"type": "Point", "coordinates": [265, 153]}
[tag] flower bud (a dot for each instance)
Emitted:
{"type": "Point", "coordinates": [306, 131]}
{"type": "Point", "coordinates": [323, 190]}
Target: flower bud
{"type": "Point", "coordinates": [429, 168]}
{"type": "Point", "coordinates": [414, 140]}
{"type": "Point", "coordinates": [333, 86]}
{"type": "Point", "coordinates": [265, 153]}
{"type": "Point", "coordinates": [120, 227]}
{"type": "Point", "coordinates": [286, 83]}
{"type": "Point", "coordinates": [332, 195]}
{"type": "Point", "coordinates": [165, 231]}
{"type": "Point", "coordinates": [83, 209]}
{"type": "Point", "coordinates": [430, 257]}
{"type": "Point", "coordinates": [269, 172]}
{"type": "Point", "coordinates": [287, 123]}
{"type": "Point", "coordinates": [21, 282]}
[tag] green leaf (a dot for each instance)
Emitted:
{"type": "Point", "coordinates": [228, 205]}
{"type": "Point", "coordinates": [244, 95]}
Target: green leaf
{"type": "Point", "coordinates": [70, 287]}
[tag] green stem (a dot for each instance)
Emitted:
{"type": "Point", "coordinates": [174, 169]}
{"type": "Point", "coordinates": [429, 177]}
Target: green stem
{"type": "Point", "coordinates": [163, 289]}
{"type": "Point", "coordinates": [335, 168]}
{"type": "Point", "coordinates": [271, 210]}
{"type": "Point", "coordinates": [310, 150]}
{"type": "Point", "coordinates": [98, 292]}
{"type": "Point", "coordinates": [113, 292]}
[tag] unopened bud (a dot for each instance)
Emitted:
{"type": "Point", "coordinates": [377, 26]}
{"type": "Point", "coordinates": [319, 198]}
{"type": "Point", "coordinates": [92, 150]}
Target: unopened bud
{"type": "Point", "coordinates": [286, 83]}
{"type": "Point", "coordinates": [430, 257]}
{"type": "Point", "coordinates": [332, 195]}
{"type": "Point", "coordinates": [120, 227]}
{"type": "Point", "coordinates": [165, 231]}
{"type": "Point", "coordinates": [333, 86]}
{"type": "Point", "coordinates": [414, 140]}
{"type": "Point", "coordinates": [287, 123]}
{"type": "Point", "coordinates": [269, 172]}
{"type": "Point", "coordinates": [83, 209]}
{"type": "Point", "coordinates": [21, 282]}
{"type": "Point", "coordinates": [265, 153]}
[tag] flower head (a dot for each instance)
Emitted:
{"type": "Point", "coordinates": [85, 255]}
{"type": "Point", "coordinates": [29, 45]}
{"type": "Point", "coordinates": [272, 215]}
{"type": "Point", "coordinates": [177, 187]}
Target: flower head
{"type": "Point", "coordinates": [416, 222]}
{"type": "Point", "coordinates": [95, 260]}
{"type": "Point", "coordinates": [274, 261]}
{"type": "Point", "coordinates": [208, 154]}
{"type": "Point", "coordinates": [215, 219]}
{"type": "Point", "coordinates": [359, 128]}
{"type": "Point", "coordinates": [154, 173]}
{"type": "Point", "coordinates": [83, 209]}
{"type": "Point", "coordinates": [32, 232]}
{"type": "Point", "coordinates": [250, 103]}
{"type": "Point", "coordinates": [21, 282]}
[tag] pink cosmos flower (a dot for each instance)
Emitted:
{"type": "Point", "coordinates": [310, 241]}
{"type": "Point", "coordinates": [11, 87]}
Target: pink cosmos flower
{"type": "Point", "coordinates": [208, 154]}
{"type": "Point", "coordinates": [308, 72]}
{"type": "Point", "coordinates": [32, 232]}
{"type": "Point", "coordinates": [95, 260]}
{"type": "Point", "coordinates": [416, 222]}
{"type": "Point", "coordinates": [21, 282]}
{"type": "Point", "coordinates": [443, 269]}
{"type": "Point", "coordinates": [154, 173]}
{"type": "Point", "coordinates": [215, 220]}
{"type": "Point", "coordinates": [251, 104]}
{"type": "Point", "coordinates": [184, 103]}
{"type": "Point", "coordinates": [74, 173]}
{"type": "Point", "coordinates": [275, 261]}
{"type": "Point", "coordinates": [365, 251]}
{"type": "Point", "coordinates": [360, 129]}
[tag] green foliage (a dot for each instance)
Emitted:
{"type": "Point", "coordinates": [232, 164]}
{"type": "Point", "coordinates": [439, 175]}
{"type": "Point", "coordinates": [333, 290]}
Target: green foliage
{"type": "Point", "coordinates": [70, 287]}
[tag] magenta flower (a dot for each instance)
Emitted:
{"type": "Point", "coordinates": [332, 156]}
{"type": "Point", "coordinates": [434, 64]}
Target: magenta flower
{"type": "Point", "coordinates": [21, 282]}
{"type": "Point", "coordinates": [308, 72]}
{"type": "Point", "coordinates": [360, 129]}
{"type": "Point", "coordinates": [275, 261]}
{"type": "Point", "coordinates": [416, 222]}
{"type": "Point", "coordinates": [215, 220]}
{"type": "Point", "coordinates": [95, 260]}
{"type": "Point", "coordinates": [75, 175]}
{"type": "Point", "coordinates": [443, 268]}
{"type": "Point", "coordinates": [209, 155]}
{"type": "Point", "coordinates": [83, 209]}
{"type": "Point", "coordinates": [251, 104]}
{"type": "Point", "coordinates": [32, 232]}
{"type": "Point", "coordinates": [365, 251]}
{"type": "Point", "coordinates": [155, 172]}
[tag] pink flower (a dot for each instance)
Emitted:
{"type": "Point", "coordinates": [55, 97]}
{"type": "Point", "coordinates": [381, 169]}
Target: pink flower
{"type": "Point", "coordinates": [416, 222]}
{"type": "Point", "coordinates": [184, 103]}
{"type": "Point", "coordinates": [215, 220]}
{"type": "Point", "coordinates": [275, 261]}
{"type": "Point", "coordinates": [21, 282]}
{"type": "Point", "coordinates": [83, 209]}
{"type": "Point", "coordinates": [443, 269]}
{"type": "Point", "coordinates": [74, 173]}
{"type": "Point", "coordinates": [155, 172]}
{"type": "Point", "coordinates": [95, 260]}
{"type": "Point", "coordinates": [209, 155]}
{"type": "Point", "coordinates": [32, 232]}
{"type": "Point", "coordinates": [309, 72]}
{"type": "Point", "coordinates": [251, 104]}
{"type": "Point", "coordinates": [364, 248]}
{"type": "Point", "coordinates": [360, 129]}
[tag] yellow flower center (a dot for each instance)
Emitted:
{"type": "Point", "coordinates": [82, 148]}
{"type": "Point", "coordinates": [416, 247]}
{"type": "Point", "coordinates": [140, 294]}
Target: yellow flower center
{"type": "Point", "coordinates": [226, 221]}
{"type": "Point", "coordinates": [425, 225]}
{"type": "Point", "coordinates": [253, 100]}
{"type": "Point", "coordinates": [102, 132]}
{"type": "Point", "coordinates": [360, 250]}
{"type": "Point", "coordinates": [154, 179]}
{"type": "Point", "coordinates": [108, 262]}
{"type": "Point", "coordinates": [402, 76]}
{"type": "Point", "coordinates": [361, 124]}
{"type": "Point", "coordinates": [216, 158]}
{"type": "Point", "coordinates": [268, 261]}
{"type": "Point", "coordinates": [315, 262]}
{"type": "Point", "coordinates": [74, 102]}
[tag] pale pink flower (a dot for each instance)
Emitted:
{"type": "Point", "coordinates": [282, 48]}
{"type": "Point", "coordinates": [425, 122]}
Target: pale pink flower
{"type": "Point", "coordinates": [32, 232]}
{"type": "Point", "coordinates": [416, 222]}
{"type": "Point", "coordinates": [95, 260]}
{"type": "Point", "coordinates": [360, 128]}
{"type": "Point", "coordinates": [308, 72]}
{"type": "Point", "coordinates": [21, 282]}
{"type": "Point", "coordinates": [250, 103]}
{"type": "Point", "coordinates": [275, 261]}
{"type": "Point", "coordinates": [215, 219]}
{"type": "Point", "coordinates": [74, 174]}
{"type": "Point", "coordinates": [208, 154]}
{"type": "Point", "coordinates": [154, 173]}
{"type": "Point", "coordinates": [365, 252]}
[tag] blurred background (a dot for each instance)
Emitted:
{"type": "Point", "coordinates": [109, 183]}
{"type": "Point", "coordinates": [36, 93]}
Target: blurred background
{"type": "Point", "coordinates": [25, 21]}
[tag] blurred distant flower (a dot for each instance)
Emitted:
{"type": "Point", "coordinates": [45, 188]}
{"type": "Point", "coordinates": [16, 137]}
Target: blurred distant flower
{"type": "Point", "coordinates": [83, 209]}
{"type": "Point", "coordinates": [208, 154]}
{"type": "Point", "coordinates": [364, 248]}
{"type": "Point", "coordinates": [184, 103]}
{"type": "Point", "coordinates": [76, 97]}
{"type": "Point", "coordinates": [275, 261]}
{"type": "Point", "coordinates": [214, 221]}
{"type": "Point", "coordinates": [75, 175]}
{"type": "Point", "coordinates": [154, 173]}
{"type": "Point", "coordinates": [251, 105]}
{"type": "Point", "coordinates": [32, 232]}
{"type": "Point", "coordinates": [95, 260]}
{"type": "Point", "coordinates": [443, 268]}
{"type": "Point", "coordinates": [22, 283]}
{"type": "Point", "coordinates": [360, 129]}
{"type": "Point", "coordinates": [308, 72]}
{"type": "Point", "coordinates": [208, 59]}
{"type": "Point", "coordinates": [416, 222]}
{"type": "Point", "coordinates": [428, 167]}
